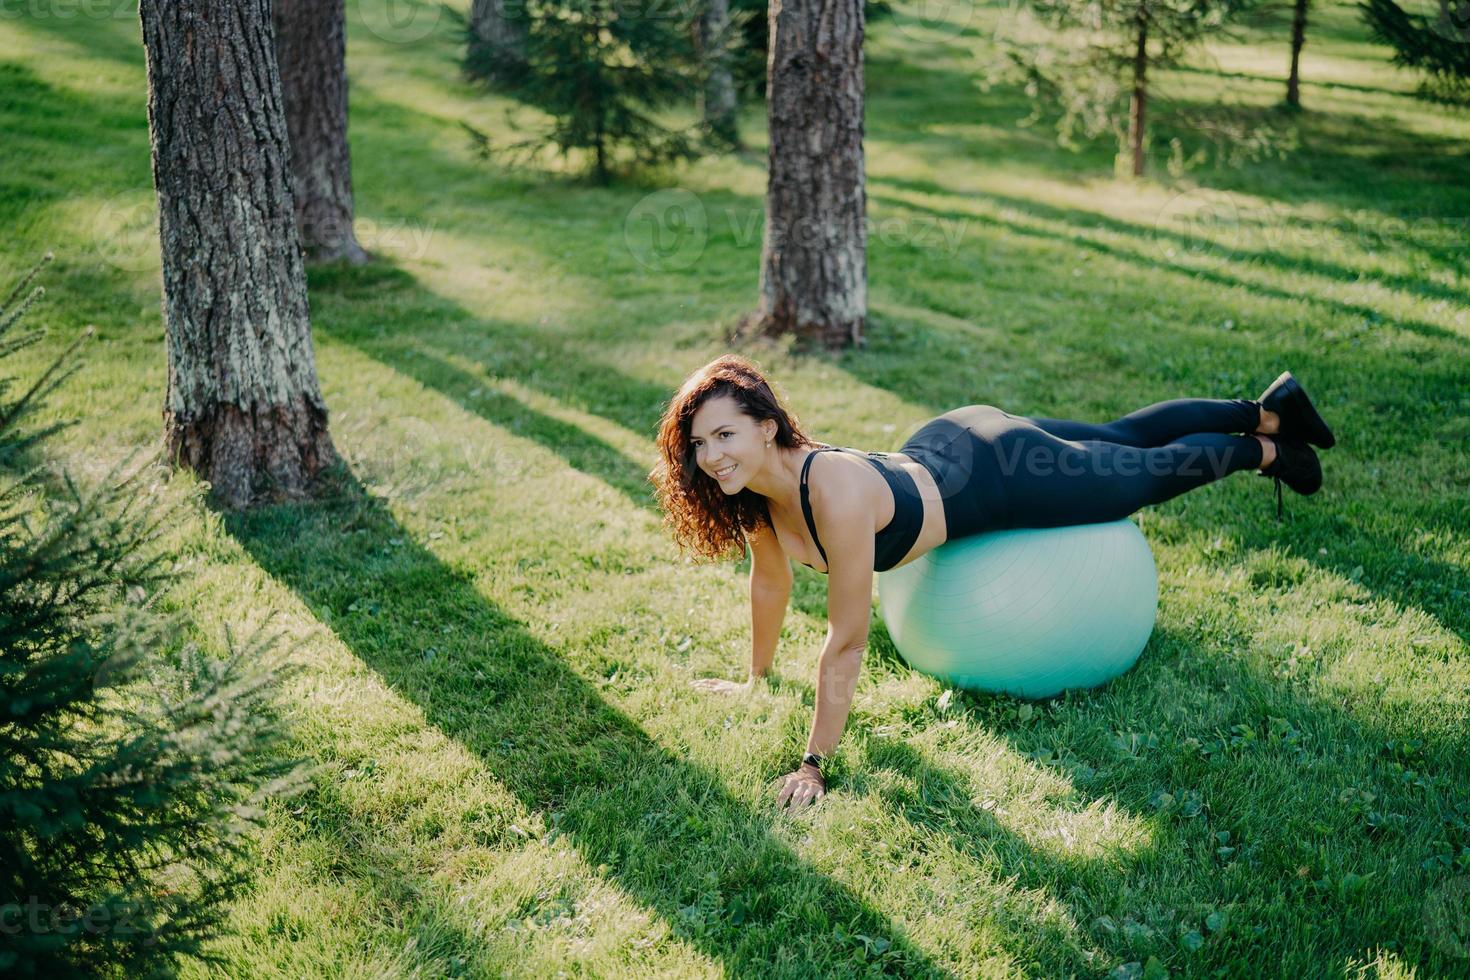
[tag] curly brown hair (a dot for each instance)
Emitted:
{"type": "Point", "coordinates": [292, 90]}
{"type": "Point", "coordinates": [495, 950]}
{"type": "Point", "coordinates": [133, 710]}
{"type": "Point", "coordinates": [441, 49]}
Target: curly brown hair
{"type": "Point", "coordinates": [701, 516]}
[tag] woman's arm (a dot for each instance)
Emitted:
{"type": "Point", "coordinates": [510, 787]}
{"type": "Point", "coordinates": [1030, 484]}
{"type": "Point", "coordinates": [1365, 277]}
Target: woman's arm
{"type": "Point", "coordinates": [845, 522]}
{"type": "Point", "coordinates": [770, 593]}
{"type": "Point", "coordinates": [767, 612]}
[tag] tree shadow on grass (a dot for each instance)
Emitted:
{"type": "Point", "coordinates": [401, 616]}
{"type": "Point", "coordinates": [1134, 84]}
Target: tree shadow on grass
{"type": "Point", "coordinates": [1340, 159]}
{"type": "Point", "coordinates": [501, 349]}
{"type": "Point", "coordinates": [947, 802]}
{"type": "Point", "coordinates": [1274, 788]}
{"type": "Point", "coordinates": [1156, 239]}
{"type": "Point", "coordinates": [550, 738]}
{"type": "Point", "coordinates": [1308, 83]}
{"type": "Point", "coordinates": [114, 33]}
{"type": "Point", "coordinates": [404, 901]}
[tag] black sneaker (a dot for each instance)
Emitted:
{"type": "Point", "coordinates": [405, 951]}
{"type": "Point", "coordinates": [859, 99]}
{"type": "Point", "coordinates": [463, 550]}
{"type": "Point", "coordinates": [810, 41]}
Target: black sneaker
{"type": "Point", "coordinates": [1299, 420]}
{"type": "Point", "coordinates": [1296, 464]}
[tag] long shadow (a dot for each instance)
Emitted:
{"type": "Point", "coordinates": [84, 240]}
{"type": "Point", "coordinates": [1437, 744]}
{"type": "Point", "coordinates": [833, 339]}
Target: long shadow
{"type": "Point", "coordinates": [502, 348]}
{"type": "Point", "coordinates": [1404, 396]}
{"type": "Point", "coordinates": [409, 902]}
{"type": "Point", "coordinates": [1307, 81]}
{"type": "Point", "coordinates": [38, 116]}
{"type": "Point", "coordinates": [1331, 306]}
{"type": "Point", "coordinates": [1269, 788]}
{"type": "Point", "coordinates": [1274, 788]}
{"type": "Point", "coordinates": [1341, 158]}
{"type": "Point", "coordinates": [1370, 165]}
{"type": "Point", "coordinates": [547, 735]}
{"type": "Point", "coordinates": [416, 357]}
{"type": "Point", "coordinates": [114, 33]}
{"type": "Point", "coordinates": [1255, 228]}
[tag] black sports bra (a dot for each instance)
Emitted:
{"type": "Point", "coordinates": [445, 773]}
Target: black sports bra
{"type": "Point", "coordinates": [897, 536]}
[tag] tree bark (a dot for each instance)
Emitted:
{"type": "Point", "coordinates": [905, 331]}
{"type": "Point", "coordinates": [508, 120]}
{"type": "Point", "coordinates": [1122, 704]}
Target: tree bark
{"type": "Point", "coordinates": [718, 103]}
{"type": "Point", "coordinates": [311, 50]}
{"type": "Point", "coordinates": [243, 409]}
{"type": "Point", "coordinates": [1139, 104]}
{"type": "Point", "coordinates": [813, 279]}
{"type": "Point", "coordinates": [1298, 38]}
{"type": "Point", "coordinates": [497, 40]}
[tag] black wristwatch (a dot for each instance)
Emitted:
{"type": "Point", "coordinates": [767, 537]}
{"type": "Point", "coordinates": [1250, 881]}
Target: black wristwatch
{"type": "Point", "coordinates": [814, 759]}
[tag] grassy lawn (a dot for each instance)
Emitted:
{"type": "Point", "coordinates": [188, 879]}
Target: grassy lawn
{"type": "Point", "coordinates": [498, 635]}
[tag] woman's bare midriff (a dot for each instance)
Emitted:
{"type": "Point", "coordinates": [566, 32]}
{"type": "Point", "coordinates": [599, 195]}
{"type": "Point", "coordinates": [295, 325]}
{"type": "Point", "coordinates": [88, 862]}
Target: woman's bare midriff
{"type": "Point", "coordinates": [796, 541]}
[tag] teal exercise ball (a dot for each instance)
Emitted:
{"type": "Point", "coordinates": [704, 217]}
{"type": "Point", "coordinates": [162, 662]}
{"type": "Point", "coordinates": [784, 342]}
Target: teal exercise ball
{"type": "Point", "coordinates": [1029, 612]}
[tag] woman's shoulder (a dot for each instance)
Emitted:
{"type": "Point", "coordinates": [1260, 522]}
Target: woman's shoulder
{"type": "Point", "coordinates": [837, 481]}
{"type": "Point", "coordinates": [814, 461]}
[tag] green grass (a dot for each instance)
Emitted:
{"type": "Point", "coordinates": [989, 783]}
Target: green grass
{"type": "Point", "coordinates": [498, 635]}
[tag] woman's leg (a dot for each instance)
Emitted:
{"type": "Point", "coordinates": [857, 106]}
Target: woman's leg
{"type": "Point", "coordinates": [1050, 481]}
{"type": "Point", "coordinates": [1162, 422]}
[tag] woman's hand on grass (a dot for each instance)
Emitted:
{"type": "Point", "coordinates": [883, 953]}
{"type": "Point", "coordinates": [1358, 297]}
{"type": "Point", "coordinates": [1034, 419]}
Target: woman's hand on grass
{"type": "Point", "coordinates": [802, 787]}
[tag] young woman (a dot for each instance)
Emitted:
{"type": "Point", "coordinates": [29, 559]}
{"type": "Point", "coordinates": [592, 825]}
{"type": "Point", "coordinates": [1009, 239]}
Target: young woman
{"type": "Point", "coordinates": [737, 470]}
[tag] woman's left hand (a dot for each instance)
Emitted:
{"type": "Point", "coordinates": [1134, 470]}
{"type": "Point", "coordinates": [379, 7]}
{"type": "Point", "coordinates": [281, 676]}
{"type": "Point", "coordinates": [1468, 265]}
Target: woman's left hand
{"type": "Point", "coordinates": [801, 787]}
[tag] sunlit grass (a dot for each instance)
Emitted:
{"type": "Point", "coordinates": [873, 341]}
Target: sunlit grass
{"type": "Point", "coordinates": [498, 634]}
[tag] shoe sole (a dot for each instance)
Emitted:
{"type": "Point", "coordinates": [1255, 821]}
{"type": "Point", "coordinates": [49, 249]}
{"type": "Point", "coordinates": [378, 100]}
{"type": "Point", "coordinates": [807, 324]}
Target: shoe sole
{"type": "Point", "coordinates": [1294, 397]}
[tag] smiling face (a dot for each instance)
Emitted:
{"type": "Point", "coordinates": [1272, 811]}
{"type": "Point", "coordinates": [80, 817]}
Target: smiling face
{"type": "Point", "coordinates": [729, 445]}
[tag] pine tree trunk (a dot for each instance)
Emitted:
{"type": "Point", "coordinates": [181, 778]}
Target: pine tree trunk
{"type": "Point", "coordinates": [311, 48]}
{"type": "Point", "coordinates": [719, 85]}
{"type": "Point", "coordinates": [243, 409]}
{"type": "Point", "coordinates": [1138, 108]}
{"type": "Point", "coordinates": [1298, 38]}
{"type": "Point", "coordinates": [813, 279]}
{"type": "Point", "coordinates": [497, 42]}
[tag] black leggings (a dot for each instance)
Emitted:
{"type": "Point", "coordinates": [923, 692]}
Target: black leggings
{"type": "Point", "coordinates": [996, 470]}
